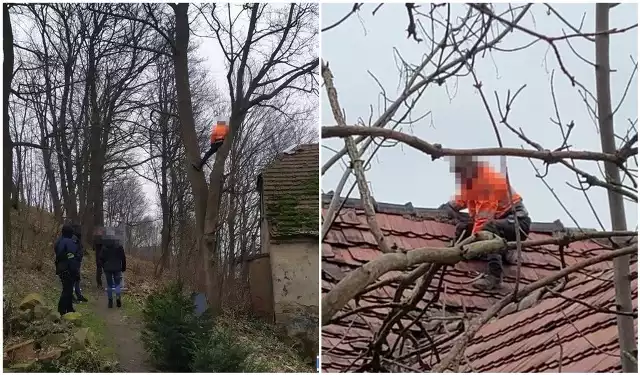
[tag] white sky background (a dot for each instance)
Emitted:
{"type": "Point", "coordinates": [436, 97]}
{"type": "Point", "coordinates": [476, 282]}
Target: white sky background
{"type": "Point", "coordinates": [401, 174]}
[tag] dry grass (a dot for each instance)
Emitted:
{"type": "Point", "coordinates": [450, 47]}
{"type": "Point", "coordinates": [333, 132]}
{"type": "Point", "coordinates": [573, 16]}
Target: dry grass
{"type": "Point", "coordinates": [29, 267]}
{"type": "Point", "coordinates": [269, 350]}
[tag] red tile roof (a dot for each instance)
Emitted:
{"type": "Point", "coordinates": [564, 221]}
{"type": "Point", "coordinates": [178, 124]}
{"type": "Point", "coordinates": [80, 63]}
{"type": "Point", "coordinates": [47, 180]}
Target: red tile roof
{"type": "Point", "coordinates": [526, 340]}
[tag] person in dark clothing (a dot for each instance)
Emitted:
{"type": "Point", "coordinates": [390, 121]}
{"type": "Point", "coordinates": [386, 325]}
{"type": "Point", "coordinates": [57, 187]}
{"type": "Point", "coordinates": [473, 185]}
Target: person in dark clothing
{"type": "Point", "coordinates": [218, 134]}
{"type": "Point", "coordinates": [77, 236]}
{"type": "Point", "coordinates": [67, 267]}
{"type": "Point", "coordinates": [114, 263]}
{"type": "Point", "coordinates": [97, 248]}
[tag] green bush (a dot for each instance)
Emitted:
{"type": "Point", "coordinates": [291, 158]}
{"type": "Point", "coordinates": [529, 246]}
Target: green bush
{"type": "Point", "coordinates": [220, 352]}
{"type": "Point", "coordinates": [172, 332]}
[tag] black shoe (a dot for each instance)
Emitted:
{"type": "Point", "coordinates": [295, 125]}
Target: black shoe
{"type": "Point", "coordinates": [118, 302]}
{"type": "Point", "coordinates": [488, 282]}
{"type": "Point", "coordinates": [196, 168]}
{"type": "Point", "coordinates": [82, 299]}
{"type": "Point", "coordinates": [110, 305]}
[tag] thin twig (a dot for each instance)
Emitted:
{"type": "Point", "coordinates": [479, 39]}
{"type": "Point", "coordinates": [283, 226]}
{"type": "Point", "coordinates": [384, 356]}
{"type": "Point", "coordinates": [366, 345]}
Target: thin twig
{"type": "Point", "coordinates": [591, 307]}
{"type": "Point", "coordinates": [354, 10]}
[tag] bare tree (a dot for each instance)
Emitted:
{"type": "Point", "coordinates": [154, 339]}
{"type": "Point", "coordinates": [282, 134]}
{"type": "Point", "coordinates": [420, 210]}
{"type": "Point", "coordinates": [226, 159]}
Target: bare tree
{"type": "Point", "coordinates": [56, 64]}
{"type": "Point", "coordinates": [7, 66]}
{"type": "Point", "coordinates": [627, 339]}
{"type": "Point", "coordinates": [124, 201]}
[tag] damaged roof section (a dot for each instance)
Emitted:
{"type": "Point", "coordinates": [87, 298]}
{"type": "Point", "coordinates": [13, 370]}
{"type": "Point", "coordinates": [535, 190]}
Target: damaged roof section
{"type": "Point", "coordinates": [290, 188]}
{"type": "Point", "coordinates": [500, 346]}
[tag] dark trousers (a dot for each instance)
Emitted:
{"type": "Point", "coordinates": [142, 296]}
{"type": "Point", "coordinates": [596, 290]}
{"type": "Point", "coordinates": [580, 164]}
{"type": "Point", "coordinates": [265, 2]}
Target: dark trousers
{"type": "Point", "coordinates": [76, 287]}
{"type": "Point", "coordinates": [505, 228]}
{"type": "Point", "coordinates": [99, 274]}
{"type": "Point", "coordinates": [65, 303]}
{"type": "Point", "coordinates": [212, 150]}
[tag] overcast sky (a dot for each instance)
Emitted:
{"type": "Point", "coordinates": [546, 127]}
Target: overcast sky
{"type": "Point", "coordinates": [401, 174]}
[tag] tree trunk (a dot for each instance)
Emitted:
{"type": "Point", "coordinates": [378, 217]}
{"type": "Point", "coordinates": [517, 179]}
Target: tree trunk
{"type": "Point", "coordinates": [189, 137]}
{"type": "Point", "coordinates": [212, 220]}
{"type": "Point", "coordinates": [93, 211]}
{"type": "Point", "coordinates": [51, 178]}
{"type": "Point", "coordinates": [19, 186]}
{"type": "Point", "coordinates": [626, 331]}
{"type": "Point", "coordinates": [167, 222]}
{"type": "Point", "coordinates": [231, 219]}
{"type": "Point", "coordinates": [7, 143]}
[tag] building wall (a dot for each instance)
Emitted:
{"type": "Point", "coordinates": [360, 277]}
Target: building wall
{"type": "Point", "coordinates": [294, 271]}
{"type": "Point", "coordinates": [261, 288]}
{"type": "Point", "coordinates": [264, 228]}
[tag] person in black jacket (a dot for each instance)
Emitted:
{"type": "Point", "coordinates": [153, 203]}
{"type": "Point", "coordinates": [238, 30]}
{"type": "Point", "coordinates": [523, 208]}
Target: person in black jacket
{"type": "Point", "coordinates": [67, 267]}
{"type": "Point", "coordinates": [114, 263]}
{"type": "Point", "coordinates": [77, 236]}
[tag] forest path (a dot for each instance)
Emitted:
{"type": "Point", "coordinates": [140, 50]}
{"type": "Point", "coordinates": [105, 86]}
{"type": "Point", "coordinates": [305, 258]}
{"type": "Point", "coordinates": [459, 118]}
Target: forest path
{"type": "Point", "coordinates": [122, 331]}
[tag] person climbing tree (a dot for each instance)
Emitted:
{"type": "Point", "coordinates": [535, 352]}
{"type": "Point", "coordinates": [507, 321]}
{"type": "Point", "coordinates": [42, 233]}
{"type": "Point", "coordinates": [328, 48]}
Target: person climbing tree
{"type": "Point", "coordinates": [67, 267]}
{"type": "Point", "coordinates": [485, 193]}
{"type": "Point", "coordinates": [218, 133]}
{"type": "Point", "coordinates": [114, 263]}
{"type": "Point", "coordinates": [77, 238]}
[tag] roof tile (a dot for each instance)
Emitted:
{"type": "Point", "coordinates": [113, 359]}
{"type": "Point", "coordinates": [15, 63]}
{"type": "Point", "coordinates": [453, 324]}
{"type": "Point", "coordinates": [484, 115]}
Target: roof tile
{"type": "Point", "coordinates": [522, 341]}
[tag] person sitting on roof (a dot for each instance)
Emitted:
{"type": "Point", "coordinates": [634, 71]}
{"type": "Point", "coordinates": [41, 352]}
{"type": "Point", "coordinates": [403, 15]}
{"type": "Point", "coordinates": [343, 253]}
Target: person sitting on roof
{"type": "Point", "coordinates": [218, 133]}
{"type": "Point", "coordinates": [485, 193]}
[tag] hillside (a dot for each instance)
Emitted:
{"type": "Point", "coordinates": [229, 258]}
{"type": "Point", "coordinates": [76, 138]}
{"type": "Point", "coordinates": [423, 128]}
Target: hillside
{"type": "Point", "coordinates": [101, 339]}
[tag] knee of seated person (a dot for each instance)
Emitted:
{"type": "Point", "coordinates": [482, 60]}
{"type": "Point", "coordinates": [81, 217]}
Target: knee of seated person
{"type": "Point", "coordinates": [491, 226]}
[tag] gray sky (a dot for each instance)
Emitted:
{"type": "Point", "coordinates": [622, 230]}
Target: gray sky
{"type": "Point", "coordinates": [401, 174]}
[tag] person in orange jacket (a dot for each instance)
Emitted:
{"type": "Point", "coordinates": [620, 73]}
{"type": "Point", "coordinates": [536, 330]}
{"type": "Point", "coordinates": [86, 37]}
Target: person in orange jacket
{"type": "Point", "coordinates": [218, 133]}
{"type": "Point", "coordinates": [485, 193]}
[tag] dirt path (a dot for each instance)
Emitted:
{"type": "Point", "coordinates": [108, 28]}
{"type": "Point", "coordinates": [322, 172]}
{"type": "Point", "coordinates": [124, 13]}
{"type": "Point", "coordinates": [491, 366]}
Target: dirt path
{"type": "Point", "coordinates": [124, 333]}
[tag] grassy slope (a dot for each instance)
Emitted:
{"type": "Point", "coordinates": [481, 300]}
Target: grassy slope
{"type": "Point", "coordinates": [31, 270]}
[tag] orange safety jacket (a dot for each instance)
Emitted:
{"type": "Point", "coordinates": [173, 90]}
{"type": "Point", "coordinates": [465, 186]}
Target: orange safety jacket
{"type": "Point", "coordinates": [486, 197]}
{"type": "Point", "coordinates": [219, 131]}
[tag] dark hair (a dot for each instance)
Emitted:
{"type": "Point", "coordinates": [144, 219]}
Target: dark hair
{"type": "Point", "coordinates": [67, 230]}
{"type": "Point", "coordinates": [77, 230]}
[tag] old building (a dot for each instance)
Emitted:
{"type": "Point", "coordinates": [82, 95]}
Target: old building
{"type": "Point", "coordinates": [284, 277]}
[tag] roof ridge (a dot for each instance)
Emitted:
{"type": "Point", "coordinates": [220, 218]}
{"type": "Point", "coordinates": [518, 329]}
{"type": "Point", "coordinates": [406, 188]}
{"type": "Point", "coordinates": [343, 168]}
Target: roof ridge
{"type": "Point", "coordinates": [428, 213]}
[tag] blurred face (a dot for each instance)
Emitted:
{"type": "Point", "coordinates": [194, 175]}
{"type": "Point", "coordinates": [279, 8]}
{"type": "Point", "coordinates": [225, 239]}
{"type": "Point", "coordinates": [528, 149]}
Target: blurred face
{"type": "Point", "coordinates": [463, 167]}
